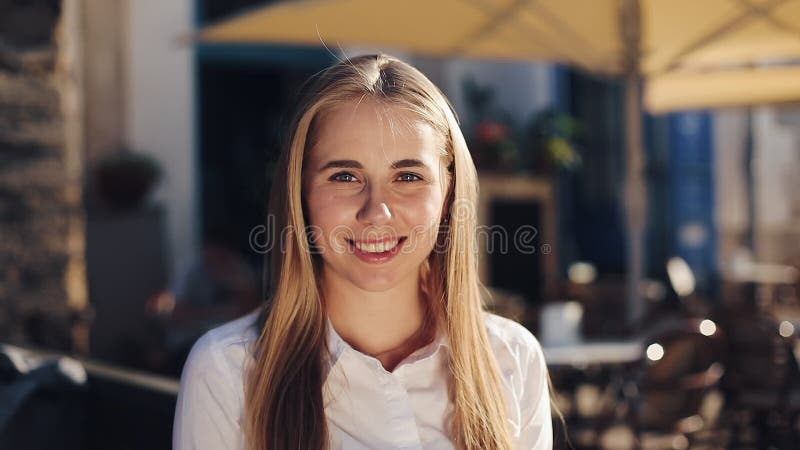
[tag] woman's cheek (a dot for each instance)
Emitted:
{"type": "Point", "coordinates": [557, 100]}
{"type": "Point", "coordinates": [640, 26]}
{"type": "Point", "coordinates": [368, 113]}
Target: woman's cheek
{"type": "Point", "coordinates": [332, 221]}
{"type": "Point", "coordinates": [426, 207]}
{"type": "Point", "coordinates": [423, 217]}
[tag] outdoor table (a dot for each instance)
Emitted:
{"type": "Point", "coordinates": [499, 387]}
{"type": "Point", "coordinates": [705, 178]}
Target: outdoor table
{"type": "Point", "coordinates": [589, 377]}
{"type": "Point", "coordinates": [593, 353]}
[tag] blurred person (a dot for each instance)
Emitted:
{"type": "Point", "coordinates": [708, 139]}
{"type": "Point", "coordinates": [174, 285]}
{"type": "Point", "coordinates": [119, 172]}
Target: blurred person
{"type": "Point", "coordinates": [373, 335]}
{"type": "Point", "coordinates": [220, 286]}
{"type": "Point", "coordinates": [216, 288]}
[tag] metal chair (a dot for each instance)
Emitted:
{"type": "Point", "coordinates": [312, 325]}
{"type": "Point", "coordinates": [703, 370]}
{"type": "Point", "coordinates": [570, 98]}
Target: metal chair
{"type": "Point", "coordinates": [762, 385]}
{"type": "Point", "coordinates": [681, 369]}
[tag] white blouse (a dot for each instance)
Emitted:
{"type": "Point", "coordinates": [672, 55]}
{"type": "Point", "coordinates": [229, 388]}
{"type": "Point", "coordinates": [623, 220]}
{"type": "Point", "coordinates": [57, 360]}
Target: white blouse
{"type": "Point", "coordinates": [366, 406]}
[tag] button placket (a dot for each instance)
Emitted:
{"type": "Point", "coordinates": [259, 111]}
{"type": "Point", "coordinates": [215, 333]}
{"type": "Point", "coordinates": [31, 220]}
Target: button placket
{"type": "Point", "coordinates": [403, 417]}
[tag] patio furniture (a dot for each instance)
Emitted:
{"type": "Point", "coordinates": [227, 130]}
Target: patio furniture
{"type": "Point", "coordinates": [667, 394]}
{"type": "Point", "coordinates": [762, 385]}
{"type": "Point", "coordinates": [42, 402]}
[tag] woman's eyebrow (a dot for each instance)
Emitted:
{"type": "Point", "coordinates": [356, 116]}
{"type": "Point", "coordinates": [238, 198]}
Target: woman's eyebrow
{"type": "Point", "coordinates": [407, 163]}
{"type": "Point", "coordinates": [352, 164]}
{"type": "Point", "coordinates": [342, 163]}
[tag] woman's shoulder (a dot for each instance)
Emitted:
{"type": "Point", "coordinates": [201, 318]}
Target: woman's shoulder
{"type": "Point", "coordinates": [211, 397]}
{"type": "Point", "coordinates": [513, 344]}
{"type": "Point", "coordinates": [510, 332]}
{"type": "Point", "coordinates": [225, 348]}
{"type": "Point", "coordinates": [524, 372]}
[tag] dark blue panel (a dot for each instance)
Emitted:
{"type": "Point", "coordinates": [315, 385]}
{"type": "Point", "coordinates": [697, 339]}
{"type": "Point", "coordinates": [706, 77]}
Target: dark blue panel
{"type": "Point", "coordinates": [258, 55]}
{"type": "Point", "coordinates": [692, 193]}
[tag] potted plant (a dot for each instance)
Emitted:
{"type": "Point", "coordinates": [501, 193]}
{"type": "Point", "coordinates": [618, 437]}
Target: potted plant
{"type": "Point", "coordinates": [126, 178]}
{"type": "Point", "coordinates": [550, 137]}
{"type": "Point", "coordinates": [543, 145]}
{"type": "Point", "coordinates": [493, 141]}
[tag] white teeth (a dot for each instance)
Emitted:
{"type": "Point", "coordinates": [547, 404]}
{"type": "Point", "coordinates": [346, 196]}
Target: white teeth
{"type": "Point", "coordinates": [379, 247]}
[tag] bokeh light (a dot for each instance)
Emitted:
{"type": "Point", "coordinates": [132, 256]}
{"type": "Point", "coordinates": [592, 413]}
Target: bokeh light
{"type": "Point", "coordinates": [655, 352]}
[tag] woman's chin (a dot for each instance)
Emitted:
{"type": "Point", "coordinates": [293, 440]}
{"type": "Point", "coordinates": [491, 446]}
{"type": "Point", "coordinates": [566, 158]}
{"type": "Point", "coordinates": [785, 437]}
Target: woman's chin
{"type": "Point", "coordinates": [376, 283]}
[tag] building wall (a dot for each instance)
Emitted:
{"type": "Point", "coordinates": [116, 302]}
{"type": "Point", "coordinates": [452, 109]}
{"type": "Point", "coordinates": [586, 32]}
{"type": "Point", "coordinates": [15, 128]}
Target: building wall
{"type": "Point", "coordinates": [776, 171]}
{"type": "Point", "coordinates": [521, 88]}
{"type": "Point", "coordinates": [104, 43]}
{"type": "Point", "coordinates": [160, 112]}
{"type": "Point", "coordinates": [42, 269]}
{"type": "Point", "coordinates": [731, 215]}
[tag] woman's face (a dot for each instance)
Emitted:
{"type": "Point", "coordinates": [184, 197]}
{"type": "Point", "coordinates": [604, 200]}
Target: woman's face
{"type": "Point", "coordinates": [374, 185]}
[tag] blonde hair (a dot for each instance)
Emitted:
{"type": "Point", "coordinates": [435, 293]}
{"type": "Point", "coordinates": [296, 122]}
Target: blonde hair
{"type": "Point", "coordinates": [283, 393]}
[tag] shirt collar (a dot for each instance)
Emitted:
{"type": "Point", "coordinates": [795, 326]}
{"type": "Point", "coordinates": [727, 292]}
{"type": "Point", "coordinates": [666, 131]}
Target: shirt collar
{"type": "Point", "coordinates": [337, 345]}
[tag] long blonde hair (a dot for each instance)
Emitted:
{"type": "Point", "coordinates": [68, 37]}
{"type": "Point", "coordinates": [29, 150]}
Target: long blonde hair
{"type": "Point", "coordinates": [283, 394]}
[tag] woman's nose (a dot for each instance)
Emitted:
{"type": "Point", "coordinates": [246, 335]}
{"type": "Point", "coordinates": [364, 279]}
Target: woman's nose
{"type": "Point", "coordinates": [375, 210]}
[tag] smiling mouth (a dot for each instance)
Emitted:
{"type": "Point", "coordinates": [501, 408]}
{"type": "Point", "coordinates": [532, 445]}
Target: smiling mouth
{"type": "Point", "coordinates": [377, 247]}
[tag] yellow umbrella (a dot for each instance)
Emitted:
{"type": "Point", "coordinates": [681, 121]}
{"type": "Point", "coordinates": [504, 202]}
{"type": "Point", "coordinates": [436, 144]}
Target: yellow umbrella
{"type": "Point", "coordinates": [666, 41]}
{"type": "Point", "coordinates": [682, 53]}
{"type": "Point", "coordinates": [685, 90]}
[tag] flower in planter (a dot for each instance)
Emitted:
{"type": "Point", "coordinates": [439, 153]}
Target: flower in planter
{"type": "Point", "coordinates": [543, 144]}
{"type": "Point", "coordinates": [494, 146]}
{"type": "Point", "coordinates": [551, 140]}
{"type": "Point", "coordinates": [489, 132]}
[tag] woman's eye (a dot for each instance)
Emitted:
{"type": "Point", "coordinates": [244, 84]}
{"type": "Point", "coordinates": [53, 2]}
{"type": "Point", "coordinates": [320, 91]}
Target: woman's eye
{"type": "Point", "coordinates": [410, 177]}
{"type": "Point", "coordinates": [345, 177]}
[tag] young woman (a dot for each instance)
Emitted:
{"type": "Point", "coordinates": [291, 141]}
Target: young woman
{"type": "Point", "coordinates": [373, 335]}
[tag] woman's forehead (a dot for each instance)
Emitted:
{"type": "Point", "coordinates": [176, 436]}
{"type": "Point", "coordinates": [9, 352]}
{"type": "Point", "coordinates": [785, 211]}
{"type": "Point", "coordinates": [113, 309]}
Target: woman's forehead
{"type": "Point", "coordinates": [370, 129]}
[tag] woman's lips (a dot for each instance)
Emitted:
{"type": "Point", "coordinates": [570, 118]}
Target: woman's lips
{"type": "Point", "coordinates": [376, 258]}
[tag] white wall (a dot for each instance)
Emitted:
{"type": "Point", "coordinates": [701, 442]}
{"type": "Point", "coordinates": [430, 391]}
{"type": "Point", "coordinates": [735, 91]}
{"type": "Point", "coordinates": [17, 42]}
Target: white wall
{"type": "Point", "coordinates": [776, 181]}
{"type": "Point", "coordinates": [777, 159]}
{"type": "Point", "coordinates": [777, 171]}
{"type": "Point", "coordinates": [520, 88]}
{"type": "Point", "coordinates": [730, 190]}
{"type": "Point", "coordinates": [160, 101]}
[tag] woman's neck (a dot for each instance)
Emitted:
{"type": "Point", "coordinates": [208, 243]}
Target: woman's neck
{"type": "Point", "coordinates": [387, 325]}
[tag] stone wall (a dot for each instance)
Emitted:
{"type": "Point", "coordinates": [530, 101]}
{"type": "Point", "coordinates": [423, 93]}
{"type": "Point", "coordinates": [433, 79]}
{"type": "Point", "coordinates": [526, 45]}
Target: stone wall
{"type": "Point", "coordinates": [42, 275]}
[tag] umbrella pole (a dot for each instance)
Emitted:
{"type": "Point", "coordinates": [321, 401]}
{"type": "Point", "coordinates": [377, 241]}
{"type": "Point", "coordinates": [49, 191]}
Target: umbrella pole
{"type": "Point", "coordinates": [635, 194]}
{"type": "Point", "coordinates": [634, 191]}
